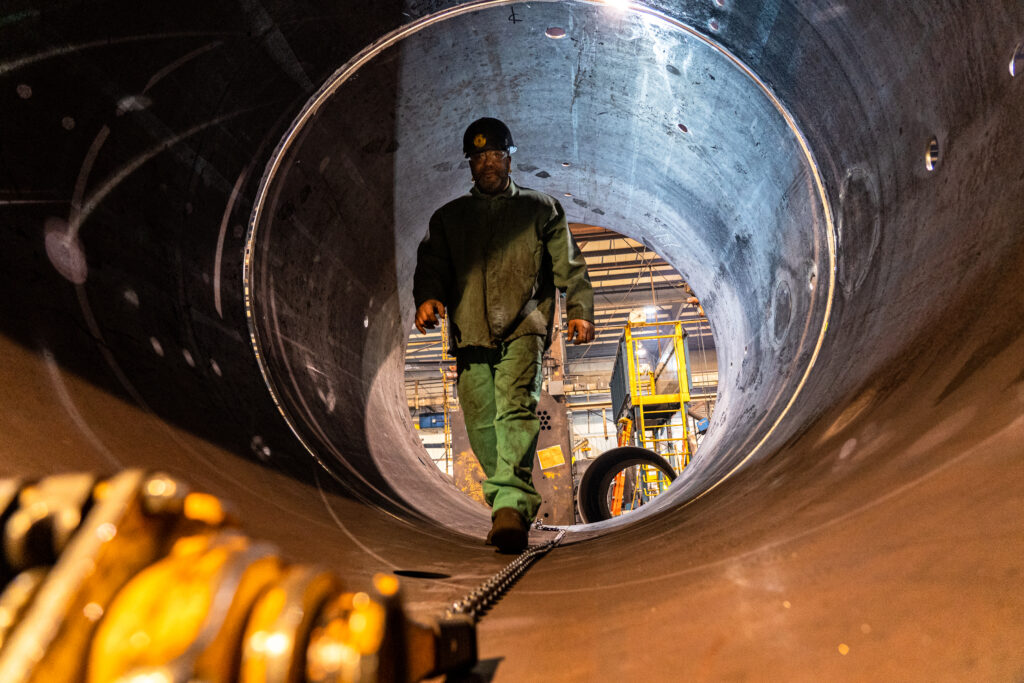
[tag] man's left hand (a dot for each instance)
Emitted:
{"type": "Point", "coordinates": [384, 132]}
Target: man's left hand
{"type": "Point", "coordinates": [580, 331]}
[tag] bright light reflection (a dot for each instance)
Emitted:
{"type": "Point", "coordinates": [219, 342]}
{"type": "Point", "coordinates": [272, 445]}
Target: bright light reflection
{"type": "Point", "coordinates": [277, 644]}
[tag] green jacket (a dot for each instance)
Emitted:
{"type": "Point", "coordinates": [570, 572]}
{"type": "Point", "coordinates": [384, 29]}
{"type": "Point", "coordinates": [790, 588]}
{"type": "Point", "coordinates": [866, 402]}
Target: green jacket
{"type": "Point", "coordinates": [495, 261]}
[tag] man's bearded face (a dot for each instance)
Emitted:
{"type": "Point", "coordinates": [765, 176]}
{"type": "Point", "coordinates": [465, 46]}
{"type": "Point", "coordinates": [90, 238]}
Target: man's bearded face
{"type": "Point", "coordinates": [491, 170]}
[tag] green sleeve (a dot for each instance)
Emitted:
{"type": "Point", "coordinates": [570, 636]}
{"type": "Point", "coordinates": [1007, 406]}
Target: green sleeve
{"type": "Point", "coordinates": [433, 277]}
{"type": "Point", "coordinates": [569, 268]}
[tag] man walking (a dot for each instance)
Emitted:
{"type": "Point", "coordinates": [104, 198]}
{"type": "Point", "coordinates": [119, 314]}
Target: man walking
{"type": "Point", "coordinates": [492, 261]}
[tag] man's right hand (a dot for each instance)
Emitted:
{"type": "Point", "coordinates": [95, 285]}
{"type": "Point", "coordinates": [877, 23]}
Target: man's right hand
{"type": "Point", "coordinates": [427, 315]}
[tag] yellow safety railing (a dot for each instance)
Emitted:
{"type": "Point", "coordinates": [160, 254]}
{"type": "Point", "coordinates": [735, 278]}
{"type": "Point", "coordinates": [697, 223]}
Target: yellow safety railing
{"type": "Point", "coordinates": [650, 405]}
{"type": "Point", "coordinates": [446, 407]}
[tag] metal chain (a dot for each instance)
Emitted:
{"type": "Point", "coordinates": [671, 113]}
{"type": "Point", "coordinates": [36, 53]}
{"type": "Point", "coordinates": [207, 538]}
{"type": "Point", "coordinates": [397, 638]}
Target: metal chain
{"type": "Point", "coordinates": [476, 603]}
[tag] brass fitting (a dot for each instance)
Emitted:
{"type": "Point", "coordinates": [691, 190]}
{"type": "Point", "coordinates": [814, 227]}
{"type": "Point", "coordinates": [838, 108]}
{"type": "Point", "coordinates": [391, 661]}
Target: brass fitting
{"type": "Point", "coordinates": [138, 579]}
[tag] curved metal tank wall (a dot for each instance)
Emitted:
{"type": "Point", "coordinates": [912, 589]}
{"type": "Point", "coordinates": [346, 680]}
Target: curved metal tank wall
{"type": "Point", "coordinates": [856, 511]}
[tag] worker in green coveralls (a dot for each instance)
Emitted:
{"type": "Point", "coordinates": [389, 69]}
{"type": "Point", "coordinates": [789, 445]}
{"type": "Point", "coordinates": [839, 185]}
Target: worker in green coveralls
{"type": "Point", "coordinates": [492, 260]}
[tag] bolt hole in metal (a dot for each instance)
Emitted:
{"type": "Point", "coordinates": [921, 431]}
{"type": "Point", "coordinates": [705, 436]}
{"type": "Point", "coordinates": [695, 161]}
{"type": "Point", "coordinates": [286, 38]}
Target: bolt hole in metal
{"type": "Point", "coordinates": [1017, 60]}
{"type": "Point", "coordinates": [713, 24]}
{"type": "Point", "coordinates": [931, 155]}
{"type": "Point", "coordinates": [555, 32]}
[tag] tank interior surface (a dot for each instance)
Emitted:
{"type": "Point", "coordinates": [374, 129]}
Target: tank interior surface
{"type": "Point", "coordinates": [210, 214]}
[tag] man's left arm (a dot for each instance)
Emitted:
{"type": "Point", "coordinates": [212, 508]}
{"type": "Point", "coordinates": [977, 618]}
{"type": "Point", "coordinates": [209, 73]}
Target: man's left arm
{"type": "Point", "coordinates": [570, 275]}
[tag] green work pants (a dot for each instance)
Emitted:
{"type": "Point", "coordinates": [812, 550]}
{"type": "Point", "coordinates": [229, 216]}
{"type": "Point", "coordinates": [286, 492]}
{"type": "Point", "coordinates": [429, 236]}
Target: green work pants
{"type": "Point", "coordinates": [498, 391]}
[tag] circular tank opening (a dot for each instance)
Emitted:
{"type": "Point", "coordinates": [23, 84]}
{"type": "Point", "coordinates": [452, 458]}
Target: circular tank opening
{"type": "Point", "coordinates": [737, 207]}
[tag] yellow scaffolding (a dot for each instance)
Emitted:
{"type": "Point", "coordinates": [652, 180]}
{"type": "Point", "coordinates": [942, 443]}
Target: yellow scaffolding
{"type": "Point", "coordinates": [446, 406]}
{"type": "Point", "coordinates": [652, 411]}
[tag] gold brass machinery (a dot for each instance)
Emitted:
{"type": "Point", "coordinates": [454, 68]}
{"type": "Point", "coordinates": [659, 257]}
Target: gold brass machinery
{"type": "Point", "coordinates": [137, 579]}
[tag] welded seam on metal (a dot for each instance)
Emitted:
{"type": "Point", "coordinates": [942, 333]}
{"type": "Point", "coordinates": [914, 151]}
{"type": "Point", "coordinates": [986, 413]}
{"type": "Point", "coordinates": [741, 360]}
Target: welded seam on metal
{"type": "Point", "coordinates": [368, 53]}
{"type": "Point", "coordinates": [15, 64]}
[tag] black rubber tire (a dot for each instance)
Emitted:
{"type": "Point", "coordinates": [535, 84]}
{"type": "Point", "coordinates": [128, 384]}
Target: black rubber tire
{"type": "Point", "coordinates": [593, 491]}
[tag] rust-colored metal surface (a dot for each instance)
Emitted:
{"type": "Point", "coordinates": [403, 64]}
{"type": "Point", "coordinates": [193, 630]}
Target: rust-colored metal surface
{"type": "Point", "coordinates": [210, 213]}
{"type": "Point", "coordinates": [468, 474]}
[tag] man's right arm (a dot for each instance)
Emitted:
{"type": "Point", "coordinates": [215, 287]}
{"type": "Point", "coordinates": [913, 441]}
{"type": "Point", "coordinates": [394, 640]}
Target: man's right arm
{"type": "Point", "coordinates": [432, 280]}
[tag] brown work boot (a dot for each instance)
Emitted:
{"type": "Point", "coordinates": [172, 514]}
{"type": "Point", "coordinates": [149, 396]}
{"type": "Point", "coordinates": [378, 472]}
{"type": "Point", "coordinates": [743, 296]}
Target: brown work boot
{"type": "Point", "coordinates": [509, 531]}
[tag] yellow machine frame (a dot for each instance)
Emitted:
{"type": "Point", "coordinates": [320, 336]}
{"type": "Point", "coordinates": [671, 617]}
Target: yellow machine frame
{"type": "Point", "coordinates": [446, 404]}
{"type": "Point", "coordinates": [647, 402]}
